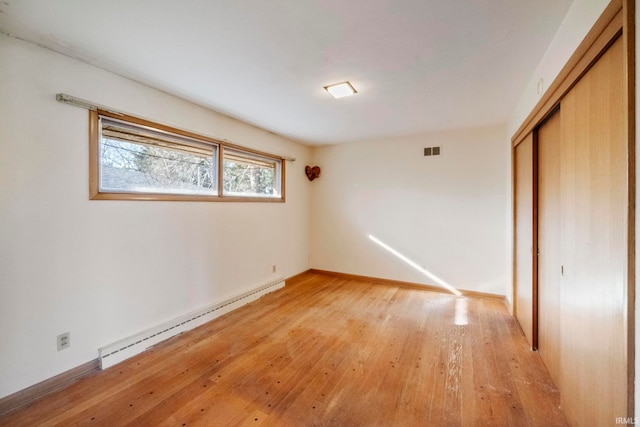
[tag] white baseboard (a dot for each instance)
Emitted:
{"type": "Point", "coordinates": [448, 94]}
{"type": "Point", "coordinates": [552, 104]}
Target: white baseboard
{"type": "Point", "coordinates": [128, 347]}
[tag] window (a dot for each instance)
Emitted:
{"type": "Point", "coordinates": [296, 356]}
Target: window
{"type": "Point", "coordinates": [248, 174]}
{"type": "Point", "coordinates": [135, 159]}
{"type": "Point", "coordinates": [132, 159]}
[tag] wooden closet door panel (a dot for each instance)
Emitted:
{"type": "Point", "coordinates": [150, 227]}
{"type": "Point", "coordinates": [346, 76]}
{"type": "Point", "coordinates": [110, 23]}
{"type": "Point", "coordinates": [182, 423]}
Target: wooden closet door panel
{"type": "Point", "coordinates": [549, 232]}
{"type": "Point", "coordinates": [593, 382]}
{"type": "Point", "coordinates": [523, 211]}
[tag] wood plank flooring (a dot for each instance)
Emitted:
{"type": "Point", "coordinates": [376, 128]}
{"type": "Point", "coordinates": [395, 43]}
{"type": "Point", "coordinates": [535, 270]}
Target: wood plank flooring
{"type": "Point", "coordinates": [324, 351]}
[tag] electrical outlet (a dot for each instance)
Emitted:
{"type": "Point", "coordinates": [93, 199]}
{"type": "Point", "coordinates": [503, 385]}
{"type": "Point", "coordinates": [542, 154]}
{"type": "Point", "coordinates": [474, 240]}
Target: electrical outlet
{"type": "Point", "coordinates": [273, 269]}
{"type": "Point", "coordinates": [64, 341]}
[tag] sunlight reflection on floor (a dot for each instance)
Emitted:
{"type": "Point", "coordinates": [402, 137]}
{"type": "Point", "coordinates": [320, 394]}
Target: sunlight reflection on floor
{"type": "Point", "coordinates": [461, 317]}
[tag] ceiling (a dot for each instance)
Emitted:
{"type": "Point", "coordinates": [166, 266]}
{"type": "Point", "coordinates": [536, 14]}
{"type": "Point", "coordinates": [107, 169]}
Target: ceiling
{"type": "Point", "coordinates": [418, 65]}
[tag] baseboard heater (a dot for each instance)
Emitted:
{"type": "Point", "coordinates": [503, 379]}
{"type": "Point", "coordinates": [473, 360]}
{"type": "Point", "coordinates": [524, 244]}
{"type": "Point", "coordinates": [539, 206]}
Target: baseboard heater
{"type": "Point", "coordinates": [129, 347]}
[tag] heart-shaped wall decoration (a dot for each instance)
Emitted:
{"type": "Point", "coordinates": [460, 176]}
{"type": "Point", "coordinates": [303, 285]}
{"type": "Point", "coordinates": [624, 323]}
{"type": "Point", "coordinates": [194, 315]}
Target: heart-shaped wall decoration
{"type": "Point", "coordinates": [312, 172]}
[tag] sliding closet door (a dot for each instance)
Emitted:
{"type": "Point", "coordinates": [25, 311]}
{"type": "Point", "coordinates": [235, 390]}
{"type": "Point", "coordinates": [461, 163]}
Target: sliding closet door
{"type": "Point", "coordinates": [523, 222]}
{"type": "Point", "coordinates": [549, 231]}
{"type": "Point", "coordinates": [593, 380]}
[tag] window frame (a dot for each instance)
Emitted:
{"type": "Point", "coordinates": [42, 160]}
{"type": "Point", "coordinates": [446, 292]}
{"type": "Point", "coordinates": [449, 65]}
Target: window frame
{"type": "Point", "coordinates": [94, 165]}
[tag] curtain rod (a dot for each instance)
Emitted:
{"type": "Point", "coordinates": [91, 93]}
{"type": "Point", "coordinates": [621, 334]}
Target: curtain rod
{"type": "Point", "coordinates": [83, 103]}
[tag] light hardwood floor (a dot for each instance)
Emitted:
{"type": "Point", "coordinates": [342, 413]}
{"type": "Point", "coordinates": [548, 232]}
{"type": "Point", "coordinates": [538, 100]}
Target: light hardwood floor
{"type": "Point", "coordinates": [324, 351]}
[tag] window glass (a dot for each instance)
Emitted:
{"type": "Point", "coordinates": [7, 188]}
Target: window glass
{"type": "Point", "coordinates": [249, 175]}
{"type": "Point", "coordinates": [138, 159]}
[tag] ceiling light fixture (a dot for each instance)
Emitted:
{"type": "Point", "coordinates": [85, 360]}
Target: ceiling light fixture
{"type": "Point", "coordinates": [340, 90]}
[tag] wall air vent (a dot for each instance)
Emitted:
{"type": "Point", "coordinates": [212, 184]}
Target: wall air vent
{"type": "Point", "coordinates": [432, 151]}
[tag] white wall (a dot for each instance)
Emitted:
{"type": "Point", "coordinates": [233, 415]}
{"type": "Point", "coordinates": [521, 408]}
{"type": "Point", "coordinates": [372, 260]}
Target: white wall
{"type": "Point", "coordinates": [580, 17]}
{"type": "Point", "coordinates": [104, 270]}
{"type": "Point", "coordinates": [445, 213]}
